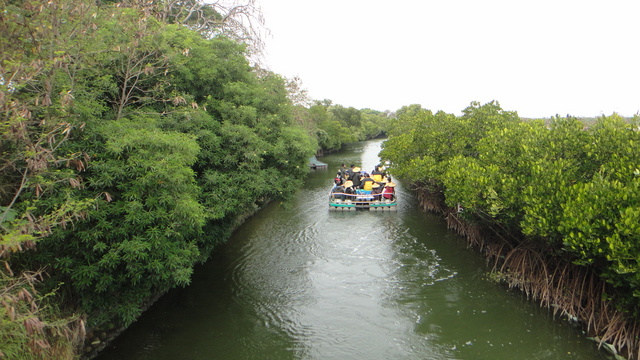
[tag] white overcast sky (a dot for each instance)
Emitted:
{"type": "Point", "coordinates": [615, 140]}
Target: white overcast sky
{"type": "Point", "coordinates": [539, 58]}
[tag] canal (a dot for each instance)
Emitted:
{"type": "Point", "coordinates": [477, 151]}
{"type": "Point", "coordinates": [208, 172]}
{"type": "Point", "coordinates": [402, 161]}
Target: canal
{"type": "Point", "coordinates": [297, 281]}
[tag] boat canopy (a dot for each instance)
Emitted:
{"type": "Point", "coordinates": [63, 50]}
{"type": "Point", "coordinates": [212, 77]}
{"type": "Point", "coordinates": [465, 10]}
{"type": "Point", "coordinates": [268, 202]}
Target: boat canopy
{"type": "Point", "coordinates": [314, 163]}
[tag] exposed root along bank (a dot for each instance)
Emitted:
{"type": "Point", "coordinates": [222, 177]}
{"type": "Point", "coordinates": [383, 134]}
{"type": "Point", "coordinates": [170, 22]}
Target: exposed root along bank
{"type": "Point", "coordinates": [571, 291]}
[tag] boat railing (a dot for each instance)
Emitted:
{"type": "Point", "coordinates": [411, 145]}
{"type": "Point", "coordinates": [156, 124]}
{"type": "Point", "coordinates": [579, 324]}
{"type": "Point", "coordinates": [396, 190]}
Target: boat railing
{"type": "Point", "coordinates": [362, 198]}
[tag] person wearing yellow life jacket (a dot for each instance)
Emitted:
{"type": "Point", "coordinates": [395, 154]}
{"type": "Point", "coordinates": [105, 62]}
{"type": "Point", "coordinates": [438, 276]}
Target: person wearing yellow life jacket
{"type": "Point", "coordinates": [377, 174]}
{"type": "Point", "coordinates": [366, 182]}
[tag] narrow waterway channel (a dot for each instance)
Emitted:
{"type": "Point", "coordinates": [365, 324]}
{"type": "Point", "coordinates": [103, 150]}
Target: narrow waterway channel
{"type": "Point", "coordinates": [297, 281]}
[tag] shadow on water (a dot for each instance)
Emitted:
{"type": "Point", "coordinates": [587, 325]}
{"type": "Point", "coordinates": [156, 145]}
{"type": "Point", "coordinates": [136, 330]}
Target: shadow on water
{"type": "Point", "coordinates": [301, 282]}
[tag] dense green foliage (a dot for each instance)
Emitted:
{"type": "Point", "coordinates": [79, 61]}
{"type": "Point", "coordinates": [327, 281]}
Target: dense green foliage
{"type": "Point", "coordinates": [335, 125]}
{"type": "Point", "coordinates": [130, 147]}
{"type": "Point", "coordinates": [131, 144]}
{"type": "Point", "coordinates": [571, 187]}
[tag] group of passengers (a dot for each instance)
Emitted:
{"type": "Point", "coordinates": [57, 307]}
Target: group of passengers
{"type": "Point", "coordinates": [351, 181]}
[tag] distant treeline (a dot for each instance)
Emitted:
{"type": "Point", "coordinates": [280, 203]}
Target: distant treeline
{"type": "Point", "coordinates": [560, 191]}
{"type": "Point", "coordinates": [134, 136]}
{"type": "Point", "coordinates": [586, 120]}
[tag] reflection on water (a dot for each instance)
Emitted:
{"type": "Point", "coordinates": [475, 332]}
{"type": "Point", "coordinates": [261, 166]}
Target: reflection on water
{"type": "Point", "coordinates": [301, 282]}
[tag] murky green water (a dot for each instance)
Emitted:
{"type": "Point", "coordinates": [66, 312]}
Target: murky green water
{"type": "Point", "coordinates": [300, 282]}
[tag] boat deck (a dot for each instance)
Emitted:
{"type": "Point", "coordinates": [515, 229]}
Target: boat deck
{"type": "Point", "coordinates": [361, 201]}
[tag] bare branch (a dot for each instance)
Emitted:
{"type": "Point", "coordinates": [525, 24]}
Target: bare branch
{"type": "Point", "coordinates": [241, 20]}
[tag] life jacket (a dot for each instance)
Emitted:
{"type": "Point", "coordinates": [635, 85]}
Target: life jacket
{"type": "Point", "coordinates": [366, 185]}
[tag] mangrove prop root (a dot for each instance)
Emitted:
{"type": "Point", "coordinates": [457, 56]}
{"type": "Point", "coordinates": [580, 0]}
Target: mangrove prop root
{"type": "Point", "coordinates": [571, 291]}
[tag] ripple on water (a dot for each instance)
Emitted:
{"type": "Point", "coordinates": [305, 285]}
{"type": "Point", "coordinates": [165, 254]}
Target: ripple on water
{"type": "Point", "coordinates": [300, 282]}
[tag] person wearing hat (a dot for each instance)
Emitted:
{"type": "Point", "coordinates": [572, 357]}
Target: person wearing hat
{"type": "Point", "coordinates": [348, 188]}
{"type": "Point", "coordinates": [376, 191]}
{"type": "Point", "coordinates": [383, 183]}
{"type": "Point", "coordinates": [355, 177]}
{"type": "Point", "coordinates": [349, 172]}
{"type": "Point", "coordinates": [389, 191]}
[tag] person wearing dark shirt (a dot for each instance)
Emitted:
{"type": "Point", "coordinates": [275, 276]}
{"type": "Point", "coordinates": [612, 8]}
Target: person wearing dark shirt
{"type": "Point", "coordinates": [355, 177]}
{"type": "Point", "coordinates": [343, 171]}
{"type": "Point", "coordinates": [376, 190]}
{"type": "Point", "coordinates": [348, 189]}
{"type": "Point", "coordinates": [349, 172]}
{"type": "Point", "coordinates": [338, 192]}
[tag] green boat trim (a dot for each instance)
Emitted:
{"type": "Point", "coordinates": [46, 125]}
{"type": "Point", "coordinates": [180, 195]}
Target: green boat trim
{"type": "Point", "coordinates": [361, 201]}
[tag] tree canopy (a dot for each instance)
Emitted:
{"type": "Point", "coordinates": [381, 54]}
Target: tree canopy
{"type": "Point", "coordinates": [133, 136]}
{"type": "Point", "coordinates": [563, 186]}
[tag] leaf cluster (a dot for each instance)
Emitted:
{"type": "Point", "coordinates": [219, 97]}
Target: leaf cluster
{"type": "Point", "coordinates": [336, 125]}
{"type": "Point", "coordinates": [571, 187]}
{"type": "Point", "coordinates": [130, 147]}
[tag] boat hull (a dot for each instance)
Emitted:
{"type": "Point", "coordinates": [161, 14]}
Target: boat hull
{"type": "Point", "coordinates": [353, 202]}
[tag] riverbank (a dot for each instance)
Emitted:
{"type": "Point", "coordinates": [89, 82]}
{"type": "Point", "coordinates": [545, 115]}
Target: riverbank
{"type": "Point", "coordinates": [572, 292]}
{"type": "Point", "coordinates": [97, 339]}
{"type": "Point", "coordinates": [300, 281]}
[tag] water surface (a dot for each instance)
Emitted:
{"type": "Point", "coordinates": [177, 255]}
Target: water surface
{"type": "Point", "coordinates": [297, 281]}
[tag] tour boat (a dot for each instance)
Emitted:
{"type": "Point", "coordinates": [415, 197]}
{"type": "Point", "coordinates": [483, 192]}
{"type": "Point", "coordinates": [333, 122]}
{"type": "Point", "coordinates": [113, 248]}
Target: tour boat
{"type": "Point", "coordinates": [361, 200]}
